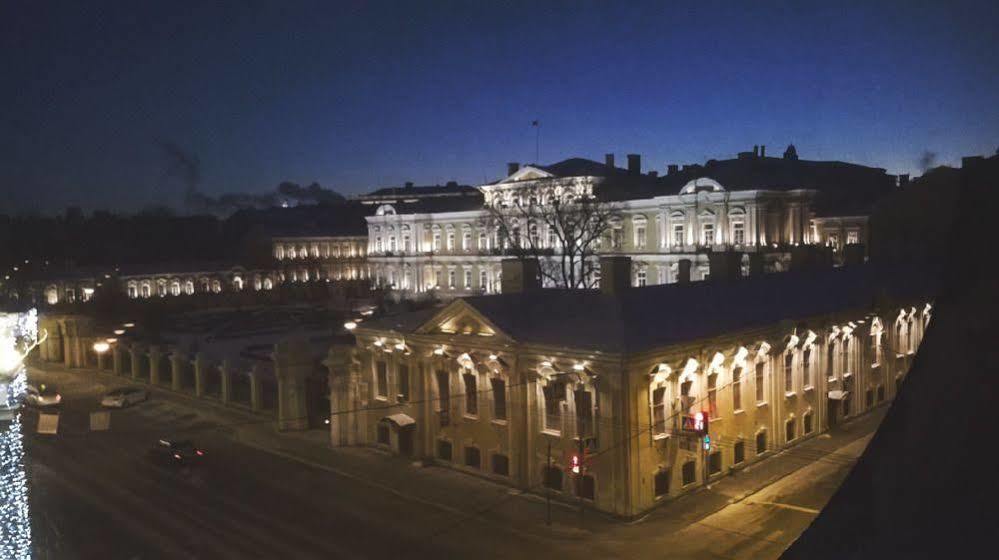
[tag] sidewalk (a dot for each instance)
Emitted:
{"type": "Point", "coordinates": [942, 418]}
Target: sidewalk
{"type": "Point", "coordinates": [464, 497]}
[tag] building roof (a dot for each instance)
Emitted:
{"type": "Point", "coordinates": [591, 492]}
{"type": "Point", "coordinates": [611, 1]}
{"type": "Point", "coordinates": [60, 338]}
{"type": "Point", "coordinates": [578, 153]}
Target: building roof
{"type": "Point", "coordinates": [409, 190]}
{"type": "Point", "coordinates": [646, 318]}
{"type": "Point", "coordinates": [844, 188]}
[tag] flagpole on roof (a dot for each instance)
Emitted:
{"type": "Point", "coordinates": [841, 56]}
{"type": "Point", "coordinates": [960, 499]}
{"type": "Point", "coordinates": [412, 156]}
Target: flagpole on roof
{"type": "Point", "coordinates": [537, 141]}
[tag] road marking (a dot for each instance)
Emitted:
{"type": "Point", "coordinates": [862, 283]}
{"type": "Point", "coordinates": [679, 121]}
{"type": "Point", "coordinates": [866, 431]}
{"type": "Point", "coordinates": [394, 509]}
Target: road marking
{"type": "Point", "coordinates": [786, 506]}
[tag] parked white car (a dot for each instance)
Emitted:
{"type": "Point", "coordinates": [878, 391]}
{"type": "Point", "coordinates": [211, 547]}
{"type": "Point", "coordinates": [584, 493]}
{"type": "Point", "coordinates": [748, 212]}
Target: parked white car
{"type": "Point", "coordinates": [42, 395]}
{"type": "Point", "coordinates": [125, 396]}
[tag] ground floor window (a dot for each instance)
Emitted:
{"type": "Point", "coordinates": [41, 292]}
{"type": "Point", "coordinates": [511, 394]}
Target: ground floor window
{"type": "Point", "coordinates": [383, 433]}
{"type": "Point", "coordinates": [714, 463]}
{"type": "Point", "coordinates": [587, 487]}
{"type": "Point", "coordinates": [869, 398]}
{"type": "Point", "coordinates": [807, 423]}
{"type": "Point", "coordinates": [739, 450]}
{"type": "Point", "coordinates": [881, 393]}
{"type": "Point", "coordinates": [444, 450]}
{"type": "Point", "coordinates": [761, 443]}
{"type": "Point", "coordinates": [661, 482]}
{"type": "Point", "coordinates": [472, 457]}
{"type": "Point", "coordinates": [689, 472]}
{"type": "Point", "coordinates": [553, 478]}
{"type": "Point", "coordinates": [789, 430]}
{"type": "Point", "coordinates": [501, 464]}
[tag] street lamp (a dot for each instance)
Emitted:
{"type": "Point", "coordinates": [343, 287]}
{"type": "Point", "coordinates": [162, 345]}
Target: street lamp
{"type": "Point", "coordinates": [119, 332]}
{"type": "Point", "coordinates": [350, 325]}
{"type": "Point", "coordinates": [101, 346]}
{"type": "Point", "coordinates": [128, 325]}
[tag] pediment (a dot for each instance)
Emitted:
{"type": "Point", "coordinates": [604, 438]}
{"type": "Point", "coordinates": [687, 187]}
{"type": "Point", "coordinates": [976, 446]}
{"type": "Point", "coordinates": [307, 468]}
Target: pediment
{"type": "Point", "coordinates": [459, 318]}
{"type": "Point", "coordinates": [527, 173]}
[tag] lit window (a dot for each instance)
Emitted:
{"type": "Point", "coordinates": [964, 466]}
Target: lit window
{"type": "Point", "coordinates": [708, 233]}
{"type": "Point", "coordinates": [468, 279]}
{"type": "Point", "coordinates": [678, 240]}
{"type": "Point", "coordinates": [640, 237]}
{"type": "Point", "coordinates": [788, 371]}
{"type": "Point", "coordinates": [739, 233]}
{"type": "Point", "coordinates": [642, 277]}
{"type": "Point", "coordinates": [471, 393]}
{"type": "Point", "coordinates": [554, 394]}
{"type": "Point", "coordinates": [713, 395]}
{"type": "Point", "coordinates": [760, 383]}
{"type": "Point", "coordinates": [737, 388]}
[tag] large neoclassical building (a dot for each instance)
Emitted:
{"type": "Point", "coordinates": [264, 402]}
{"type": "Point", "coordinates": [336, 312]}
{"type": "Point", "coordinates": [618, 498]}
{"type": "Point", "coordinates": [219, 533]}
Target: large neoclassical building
{"type": "Point", "coordinates": [505, 385]}
{"type": "Point", "coordinates": [753, 204]}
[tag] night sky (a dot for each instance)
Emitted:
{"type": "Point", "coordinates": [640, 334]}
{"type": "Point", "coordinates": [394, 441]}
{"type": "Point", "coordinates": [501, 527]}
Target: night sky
{"type": "Point", "coordinates": [361, 95]}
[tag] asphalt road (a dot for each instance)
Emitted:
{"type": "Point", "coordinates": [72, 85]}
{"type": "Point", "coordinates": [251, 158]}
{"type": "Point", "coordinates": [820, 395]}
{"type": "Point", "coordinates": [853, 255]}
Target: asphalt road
{"type": "Point", "coordinates": [96, 495]}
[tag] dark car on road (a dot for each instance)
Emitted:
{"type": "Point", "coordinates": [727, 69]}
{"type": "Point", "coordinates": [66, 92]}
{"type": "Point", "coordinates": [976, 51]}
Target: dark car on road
{"type": "Point", "coordinates": [177, 453]}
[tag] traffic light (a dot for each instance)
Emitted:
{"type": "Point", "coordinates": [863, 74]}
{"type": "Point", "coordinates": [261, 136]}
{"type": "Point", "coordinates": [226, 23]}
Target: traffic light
{"type": "Point", "coordinates": [576, 464]}
{"type": "Point", "coordinates": [701, 422]}
{"type": "Point", "coordinates": [707, 442]}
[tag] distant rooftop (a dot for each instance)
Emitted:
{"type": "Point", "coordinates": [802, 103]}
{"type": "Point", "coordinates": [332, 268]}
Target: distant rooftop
{"type": "Point", "coordinates": [640, 319]}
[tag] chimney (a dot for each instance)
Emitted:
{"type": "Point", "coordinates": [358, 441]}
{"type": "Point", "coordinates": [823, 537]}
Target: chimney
{"type": "Point", "coordinates": [853, 254]}
{"type": "Point", "coordinates": [763, 151]}
{"type": "Point", "coordinates": [683, 271]}
{"type": "Point", "coordinates": [409, 184]}
{"type": "Point", "coordinates": [755, 264]}
{"type": "Point", "coordinates": [512, 168]}
{"type": "Point", "coordinates": [615, 274]}
{"type": "Point", "coordinates": [756, 153]}
{"type": "Point", "coordinates": [519, 275]}
{"type": "Point", "coordinates": [609, 160]}
{"type": "Point", "coordinates": [725, 265]}
{"type": "Point", "coordinates": [672, 168]}
{"type": "Point", "coordinates": [634, 164]}
{"type": "Point", "coordinates": [452, 184]}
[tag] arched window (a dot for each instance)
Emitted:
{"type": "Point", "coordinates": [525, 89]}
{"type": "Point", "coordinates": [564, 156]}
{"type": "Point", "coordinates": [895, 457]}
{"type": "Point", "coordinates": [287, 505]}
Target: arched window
{"type": "Point", "coordinates": [789, 371]}
{"type": "Point", "coordinates": [737, 387]}
{"type": "Point", "coordinates": [639, 224]}
{"type": "Point", "coordinates": [268, 283]}
{"type": "Point", "coordinates": [175, 288]}
{"type": "Point", "coordinates": [737, 219]}
{"type": "Point", "coordinates": [216, 286]}
{"type": "Point", "coordinates": [188, 287]}
{"type": "Point", "coordinates": [678, 236]}
{"type": "Point", "coordinates": [237, 283]}
{"type": "Point", "coordinates": [278, 251]}
{"type": "Point", "coordinates": [147, 290]}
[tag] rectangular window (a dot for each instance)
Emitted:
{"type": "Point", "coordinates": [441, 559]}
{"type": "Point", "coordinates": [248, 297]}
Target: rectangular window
{"type": "Point", "coordinates": [689, 473]}
{"type": "Point", "coordinates": [659, 411]}
{"type": "Point", "coordinates": [869, 398]}
{"type": "Point", "coordinates": [381, 380]}
{"type": "Point", "coordinates": [830, 360]}
{"type": "Point", "coordinates": [760, 380]}
{"type": "Point", "coordinates": [499, 398]}
{"type": "Point", "coordinates": [382, 433]}
{"type": "Point", "coordinates": [807, 423]}
{"type": "Point", "coordinates": [554, 395]}
{"type": "Point", "coordinates": [661, 482]}
{"type": "Point", "coordinates": [587, 487]}
{"type": "Point", "coordinates": [714, 463]}
{"type": "Point", "coordinates": [642, 278]}
{"type": "Point", "coordinates": [468, 279]}
{"type": "Point", "coordinates": [443, 392]}
{"type": "Point", "coordinates": [640, 237]}
{"type": "Point", "coordinates": [678, 240]}
{"type": "Point", "coordinates": [584, 413]}
{"type": "Point", "coordinates": [708, 234]}
{"type": "Point", "coordinates": [789, 371]}
{"type": "Point", "coordinates": [403, 383]}
{"type": "Point", "coordinates": [806, 368]}
{"type": "Point", "coordinates": [881, 393]}
{"type": "Point", "coordinates": [761, 443]}
{"type": "Point", "coordinates": [450, 279]}
{"type": "Point", "coordinates": [713, 395]}
{"type": "Point", "coordinates": [617, 238]}
{"type": "Point", "coordinates": [450, 242]}
{"type": "Point", "coordinates": [473, 458]}
{"type": "Point", "coordinates": [444, 450]}
{"type": "Point", "coordinates": [789, 430]}
{"type": "Point", "coordinates": [739, 452]}
{"type": "Point", "coordinates": [501, 465]}
{"type": "Point", "coordinates": [739, 233]}
{"type": "Point", "coordinates": [483, 241]}
{"type": "Point", "coordinates": [852, 238]}
{"type": "Point", "coordinates": [553, 478]}
{"type": "Point", "coordinates": [737, 388]}
{"type": "Point", "coordinates": [471, 393]}
{"type": "Point", "coordinates": [466, 241]}
{"type": "Point", "coordinates": [437, 242]}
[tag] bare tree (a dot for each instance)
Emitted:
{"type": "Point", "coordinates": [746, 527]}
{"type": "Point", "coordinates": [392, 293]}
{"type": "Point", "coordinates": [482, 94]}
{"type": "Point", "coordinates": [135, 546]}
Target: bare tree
{"type": "Point", "coordinates": [558, 222]}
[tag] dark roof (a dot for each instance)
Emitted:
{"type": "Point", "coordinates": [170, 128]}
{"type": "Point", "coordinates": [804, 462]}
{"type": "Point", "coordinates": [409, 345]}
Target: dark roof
{"type": "Point", "coordinates": [177, 267]}
{"type": "Point", "coordinates": [346, 219]}
{"type": "Point", "coordinates": [440, 204]}
{"type": "Point", "coordinates": [403, 322]}
{"type": "Point", "coordinates": [651, 317]}
{"type": "Point", "coordinates": [427, 190]}
{"type": "Point", "coordinates": [582, 167]}
{"type": "Point", "coordinates": [845, 188]}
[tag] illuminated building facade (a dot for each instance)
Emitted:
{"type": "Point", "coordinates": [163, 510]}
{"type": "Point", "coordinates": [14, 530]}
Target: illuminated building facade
{"type": "Point", "coordinates": [488, 384]}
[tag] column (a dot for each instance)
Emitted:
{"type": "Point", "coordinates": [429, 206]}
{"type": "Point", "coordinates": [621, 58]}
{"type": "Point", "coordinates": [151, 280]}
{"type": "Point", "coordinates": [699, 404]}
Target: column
{"type": "Point", "coordinates": [200, 369]}
{"type": "Point", "coordinates": [343, 381]}
{"type": "Point", "coordinates": [292, 365]}
{"type": "Point", "coordinates": [256, 390]}
{"type": "Point", "coordinates": [116, 365]}
{"type": "Point", "coordinates": [136, 360]}
{"type": "Point", "coordinates": [177, 362]}
{"type": "Point", "coordinates": [225, 374]}
{"type": "Point", "coordinates": [154, 365]}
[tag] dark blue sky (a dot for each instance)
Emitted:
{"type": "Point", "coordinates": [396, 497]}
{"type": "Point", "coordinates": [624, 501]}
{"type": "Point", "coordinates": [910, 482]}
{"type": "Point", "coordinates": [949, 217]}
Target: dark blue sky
{"type": "Point", "coordinates": [358, 94]}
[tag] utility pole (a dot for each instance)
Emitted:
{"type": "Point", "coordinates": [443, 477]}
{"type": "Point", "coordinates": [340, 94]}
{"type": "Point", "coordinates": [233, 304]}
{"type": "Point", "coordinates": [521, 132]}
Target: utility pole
{"type": "Point", "coordinates": [579, 480]}
{"type": "Point", "coordinates": [548, 490]}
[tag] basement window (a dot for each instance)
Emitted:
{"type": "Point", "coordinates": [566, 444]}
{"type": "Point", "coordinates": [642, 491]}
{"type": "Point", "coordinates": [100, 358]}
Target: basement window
{"type": "Point", "coordinates": [689, 473]}
{"type": "Point", "coordinates": [661, 483]}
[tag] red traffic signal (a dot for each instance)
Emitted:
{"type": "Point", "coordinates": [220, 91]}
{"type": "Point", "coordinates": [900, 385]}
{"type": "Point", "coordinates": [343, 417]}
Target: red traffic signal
{"type": "Point", "coordinates": [576, 464]}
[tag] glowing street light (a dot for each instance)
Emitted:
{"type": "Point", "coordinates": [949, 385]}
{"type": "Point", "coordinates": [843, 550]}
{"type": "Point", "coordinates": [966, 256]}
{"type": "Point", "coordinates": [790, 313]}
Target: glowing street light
{"type": "Point", "coordinates": [350, 325]}
{"type": "Point", "coordinates": [101, 346]}
{"type": "Point", "coordinates": [128, 325]}
{"type": "Point", "coordinates": [119, 332]}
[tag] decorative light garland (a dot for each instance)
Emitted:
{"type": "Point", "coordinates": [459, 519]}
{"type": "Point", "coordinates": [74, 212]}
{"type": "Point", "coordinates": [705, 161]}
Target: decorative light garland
{"type": "Point", "coordinates": [18, 336]}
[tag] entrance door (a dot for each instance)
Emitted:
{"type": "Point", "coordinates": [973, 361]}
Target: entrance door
{"type": "Point", "coordinates": [406, 441]}
{"type": "Point", "coordinates": [832, 411]}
